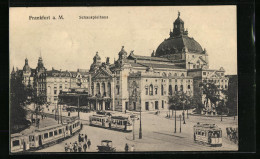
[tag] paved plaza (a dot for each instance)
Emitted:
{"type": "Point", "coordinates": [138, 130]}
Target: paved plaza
{"type": "Point", "coordinates": [157, 131]}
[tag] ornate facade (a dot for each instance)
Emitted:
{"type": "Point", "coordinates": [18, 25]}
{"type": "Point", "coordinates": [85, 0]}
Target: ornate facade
{"type": "Point", "coordinates": [135, 82]}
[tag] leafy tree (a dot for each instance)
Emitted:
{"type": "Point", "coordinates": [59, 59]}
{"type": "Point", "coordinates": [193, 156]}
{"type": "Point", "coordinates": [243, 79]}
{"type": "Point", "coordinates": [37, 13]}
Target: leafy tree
{"type": "Point", "coordinates": [210, 91]}
{"type": "Point", "coordinates": [19, 98]}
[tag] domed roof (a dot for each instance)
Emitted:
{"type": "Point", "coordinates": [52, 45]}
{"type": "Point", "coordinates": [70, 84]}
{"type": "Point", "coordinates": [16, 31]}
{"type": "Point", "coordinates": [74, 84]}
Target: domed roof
{"type": "Point", "coordinates": [26, 67]}
{"type": "Point", "coordinates": [178, 44]}
{"type": "Point", "coordinates": [122, 51]}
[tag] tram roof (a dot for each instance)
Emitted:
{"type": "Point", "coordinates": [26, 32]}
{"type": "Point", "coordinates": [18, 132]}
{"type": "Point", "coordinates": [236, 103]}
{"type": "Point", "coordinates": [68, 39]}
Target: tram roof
{"type": "Point", "coordinates": [119, 117]}
{"type": "Point", "coordinates": [16, 135]}
{"type": "Point", "coordinates": [49, 127]}
{"type": "Point", "coordinates": [207, 126]}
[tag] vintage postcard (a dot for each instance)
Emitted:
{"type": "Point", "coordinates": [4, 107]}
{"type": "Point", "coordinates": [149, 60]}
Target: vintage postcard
{"type": "Point", "coordinates": [123, 79]}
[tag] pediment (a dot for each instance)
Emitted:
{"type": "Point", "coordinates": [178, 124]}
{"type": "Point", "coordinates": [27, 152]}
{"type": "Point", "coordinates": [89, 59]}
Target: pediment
{"type": "Point", "coordinates": [214, 75]}
{"type": "Point", "coordinates": [101, 73]}
{"type": "Point", "coordinates": [197, 60]}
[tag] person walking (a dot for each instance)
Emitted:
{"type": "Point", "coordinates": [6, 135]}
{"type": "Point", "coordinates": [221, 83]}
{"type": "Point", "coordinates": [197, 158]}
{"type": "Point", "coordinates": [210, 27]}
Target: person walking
{"type": "Point", "coordinates": [89, 143]}
{"type": "Point", "coordinates": [75, 147]}
{"type": "Point", "coordinates": [86, 137]}
{"type": "Point", "coordinates": [79, 139]}
{"type": "Point", "coordinates": [79, 147]}
{"type": "Point", "coordinates": [70, 147]}
{"type": "Point", "coordinates": [85, 146]}
{"type": "Point", "coordinates": [66, 147]}
{"type": "Point", "coordinates": [126, 147]}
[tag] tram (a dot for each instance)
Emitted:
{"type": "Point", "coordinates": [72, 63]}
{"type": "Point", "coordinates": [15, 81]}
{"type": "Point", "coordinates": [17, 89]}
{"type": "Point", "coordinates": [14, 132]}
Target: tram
{"type": "Point", "coordinates": [208, 133]}
{"type": "Point", "coordinates": [44, 136]}
{"type": "Point", "coordinates": [117, 122]}
{"type": "Point", "coordinates": [19, 142]}
{"type": "Point", "coordinates": [99, 120]}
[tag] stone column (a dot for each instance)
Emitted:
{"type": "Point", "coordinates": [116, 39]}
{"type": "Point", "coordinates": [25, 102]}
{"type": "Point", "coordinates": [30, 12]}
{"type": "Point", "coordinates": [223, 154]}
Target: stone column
{"type": "Point", "coordinates": [103, 105]}
{"type": "Point", "coordinates": [113, 93]}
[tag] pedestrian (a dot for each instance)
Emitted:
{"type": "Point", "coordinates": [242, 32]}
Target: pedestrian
{"type": "Point", "coordinates": [82, 137]}
{"type": "Point", "coordinates": [66, 147]}
{"type": "Point", "coordinates": [70, 147]}
{"type": "Point", "coordinates": [75, 147]}
{"type": "Point", "coordinates": [126, 147]}
{"type": "Point", "coordinates": [85, 146]}
{"type": "Point", "coordinates": [79, 147]}
{"type": "Point", "coordinates": [45, 116]}
{"type": "Point", "coordinates": [132, 148]}
{"type": "Point", "coordinates": [81, 125]}
{"type": "Point", "coordinates": [89, 143]}
{"type": "Point", "coordinates": [86, 137]}
{"type": "Point", "coordinates": [79, 138]}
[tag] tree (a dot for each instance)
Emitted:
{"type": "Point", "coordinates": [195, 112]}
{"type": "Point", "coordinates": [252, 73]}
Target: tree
{"type": "Point", "coordinates": [19, 98]}
{"type": "Point", "coordinates": [210, 91]}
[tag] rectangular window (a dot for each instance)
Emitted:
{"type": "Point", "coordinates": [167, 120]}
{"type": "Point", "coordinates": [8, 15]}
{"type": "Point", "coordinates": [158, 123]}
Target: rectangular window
{"type": "Point", "coordinates": [162, 104]}
{"type": "Point", "coordinates": [50, 134]}
{"type": "Point", "coordinates": [60, 131]}
{"type": "Point", "coordinates": [146, 105]}
{"type": "Point", "coordinates": [45, 135]}
{"type": "Point", "coordinates": [55, 91]}
{"type": "Point", "coordinates": [55, 132]}
{"type": "Point", "coordinates": [156, 91]}
{"type": "Point", "coordinates": [16, 142]}
{"type": "Point", "coordinates": [146, 91]}
{"type": "Point", "coordinates": [204, 73]}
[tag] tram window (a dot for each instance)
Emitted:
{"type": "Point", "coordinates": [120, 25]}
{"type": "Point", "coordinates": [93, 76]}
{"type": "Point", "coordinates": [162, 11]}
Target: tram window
{"type": "Point", "coordinates": [50, 134]}
{"type": "Point", "coordinates": [16, 142]}
{"type": "Point", "coordinates": [55, 132]}
{"type": "Point", "coordinates": [60, 131]}
{"type": "Point", "coordinates": [45, 135]}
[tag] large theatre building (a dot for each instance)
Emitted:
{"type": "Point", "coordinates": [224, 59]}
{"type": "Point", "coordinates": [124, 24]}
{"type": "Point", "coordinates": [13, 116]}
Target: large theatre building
{"type": "Point", "coordinates": [135, 82]}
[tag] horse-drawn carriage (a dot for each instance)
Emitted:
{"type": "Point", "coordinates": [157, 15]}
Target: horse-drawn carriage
{"type": "Point", "coordinates": [232, 134]}
{"type": "Point", "coordinates": [106, 146]}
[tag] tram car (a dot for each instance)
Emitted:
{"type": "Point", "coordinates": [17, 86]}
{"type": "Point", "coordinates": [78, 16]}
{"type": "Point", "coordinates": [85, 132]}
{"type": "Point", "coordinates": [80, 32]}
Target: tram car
{"type": "Point", "coordinates": [123, 123]}
{"type": "Point", "coordinates": [99, 120]}
{"type": "Point", "coordinates": [19, 142]}
{"type": "Point", "coordinates": [44, 137]}
{"type": "Point", "coordinates": [209, 134]}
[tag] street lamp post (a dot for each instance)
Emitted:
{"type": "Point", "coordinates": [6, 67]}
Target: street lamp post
{"type": "Point", "coordinates": [175, 120]}
{"type": "Point", "coordinates": [58, 113]}
{"type": "Point", "coordinates": [140, 130]}
{"type": "Point", "coordinates": [180, 123]}
{"type": "Point", "coordinates": [133, 128]}
{"type": "Point", "coordinates": [78, 105]}
{"type": "Point", "coordinates": [183, 113]}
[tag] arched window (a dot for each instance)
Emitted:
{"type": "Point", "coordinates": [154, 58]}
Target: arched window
{"type": "Point", "coordinates": [170, 89]}
{"type": "Point", "coordinates": [146, 90]}
{"type": "Point", "coordinates": [188, 86]}
{"type": "Point", "coordinates": [98, 88]}
{"type": "Point", "coordinates": [103, 89]}
{"type": "Point", "coordinates": [109, 89]}
{"type": "Point", "coordinates": [169, 74]}
{"type": "Point", "coordinates": [181, 89]}
{"type": "Point", "coordinates": [162, 90]}
{"type": "Point", "coordinates": [175, 74]}
{"type": "Point", "coordinates": [164, 74]}
{"type": "Point", "coordinates": [151, 89]}
{"type": "Point", "coordinates": [176, 88]}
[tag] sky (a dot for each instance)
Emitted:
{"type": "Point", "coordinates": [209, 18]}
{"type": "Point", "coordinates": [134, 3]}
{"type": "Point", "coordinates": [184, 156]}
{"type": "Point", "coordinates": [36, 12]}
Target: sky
{"type": "Point", "coordinates": [71, 43]}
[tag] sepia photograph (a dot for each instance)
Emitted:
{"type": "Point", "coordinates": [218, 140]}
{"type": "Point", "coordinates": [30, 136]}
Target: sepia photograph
{"type": "Point", "coordinates": [123, 79]}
